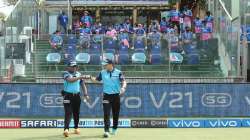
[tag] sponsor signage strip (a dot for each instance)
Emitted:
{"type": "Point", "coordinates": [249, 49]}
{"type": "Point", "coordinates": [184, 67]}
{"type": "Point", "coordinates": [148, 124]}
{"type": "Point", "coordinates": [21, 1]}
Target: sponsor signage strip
{"type": "Point", "coordinates": [127, 123]}
{"type": "Point", "coordinates": [95, 123]}
{"type": "Point", "coordinates": [140, 100]}
{"type": "Point", "coordinates": [10, 124]}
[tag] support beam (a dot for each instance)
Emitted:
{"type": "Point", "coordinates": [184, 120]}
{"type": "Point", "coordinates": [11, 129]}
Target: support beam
{"type": "Point", "coordinates": [135, 13]}
{"type": "Point", "coordinates": [235, 12]}
{"type": "Point", "coordinates": [98, 16]}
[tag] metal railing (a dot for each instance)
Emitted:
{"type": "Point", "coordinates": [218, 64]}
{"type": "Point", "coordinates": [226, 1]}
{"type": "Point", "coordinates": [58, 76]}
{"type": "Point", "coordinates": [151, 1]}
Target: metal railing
{"type": "Point", "coordinates": [209, 68]}
{"type": "Point", "coordinates": [163, 68]}
{"type": "Point", "coordinates": [228, 33]}
{"type": "Point", "coordinates": [19, 27]}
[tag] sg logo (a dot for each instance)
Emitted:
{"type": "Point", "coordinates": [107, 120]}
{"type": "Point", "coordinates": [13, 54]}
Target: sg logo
{"type": "Point", "coordinates": [216, 100]}
{"type": "Point", "coordinates": [51, 100]}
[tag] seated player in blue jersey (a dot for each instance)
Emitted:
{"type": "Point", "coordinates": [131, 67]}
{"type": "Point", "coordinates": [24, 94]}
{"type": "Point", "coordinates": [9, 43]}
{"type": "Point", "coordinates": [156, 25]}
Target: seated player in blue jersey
{"type": "Point", "coordinates": [187, 38]}
{"type": "Point", "coordinates": [209, 19]}
{"type": "Point", "coordinates": [175, 17]}
{"type": "Point", "coordinates": [123, 37]}
{"type": "Point", "coordinates": [163, 25]}
{"type": "Point", "coordinates": [174, 42]}
{"type": "Point", "coordinates": [56, 41]}
{"type": "Point", "coordinates": [85, 37]}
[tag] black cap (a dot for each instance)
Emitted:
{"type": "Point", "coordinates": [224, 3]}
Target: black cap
{"type": "Point", "coordinates": [106, 62]}
{"type": "Point", "coordinates": [72, 64]}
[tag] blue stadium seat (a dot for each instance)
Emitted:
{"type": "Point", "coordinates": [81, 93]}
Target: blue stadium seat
{"type": "Point", "coordinates": [95, 59]}
{"type": "Point", "coordinates": [189, 49]}
{"type": "Point", "coordinates": [156, 49]}
{"type": "Point", "coordinates": [95, 48]}
{"type": "Point", "coordinates": [193, 59]}
{"type": "Point", "coordinates": [69, 53]}
{"type": "Point", "coordinates": [155, 59]}
{"type": "Point", "coordinates": [155, 55]}
{"type": "Point", "coordinates": [72, 40]}
{"type": "Point", "coordinates": [139, 44]}
{"type": "Point", "coordinates": [110, 51]}
{"type": "Point", "coordinates": [123, 48]}
{"type": "Point", "coordinates": [83, 58]}
{"type": "Point", "coordinates": [123, 59]}
{"type": "Point", "coordinates": [248, 37]}
{"type": "Point", "coordinates": [241, 37]}
{"type": "Point", "coordinates": [139, 58]}
{"type": "Point", "coordinates": [123, 55]}
{"type": "Point", "coordinates": [110, 44]}
{"type": "Point", "coordinates": [248, 29]}
{"type": "Point", "coordinates": [54, 58]}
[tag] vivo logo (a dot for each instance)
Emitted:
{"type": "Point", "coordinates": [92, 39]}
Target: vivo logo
{"type": "Point", "coordinates": [223, 123]}
{"type": "Point", "coordinates": [185, 123]}
{"type": "Point", "coordinates": [245, 123]}
{"type": "Point", "coordinates": [216, 100]}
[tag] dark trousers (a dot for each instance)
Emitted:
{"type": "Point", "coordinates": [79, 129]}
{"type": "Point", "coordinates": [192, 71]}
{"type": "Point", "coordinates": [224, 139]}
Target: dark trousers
{"type": "Point", "coordinates": [71, 106]}
{"type": "Point", "coordinates": [111, 102]}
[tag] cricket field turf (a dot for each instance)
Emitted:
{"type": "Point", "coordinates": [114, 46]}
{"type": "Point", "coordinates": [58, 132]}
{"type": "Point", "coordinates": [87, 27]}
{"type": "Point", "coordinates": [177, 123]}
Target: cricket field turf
{"type": "Point", "coordinates": [130, 134]}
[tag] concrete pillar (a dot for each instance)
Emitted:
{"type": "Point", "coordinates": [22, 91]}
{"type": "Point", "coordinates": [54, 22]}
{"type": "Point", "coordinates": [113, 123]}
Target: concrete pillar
{"type": "Point", "coordinates": [135, 12]}
{"type": "Point", "coordinates": [148, 20]}
{"type": "Point", "coordinates": [2, 51]}
{"type": "Point", "coordinates": [70, 18]}
{"type": "Point", "coordinates": [178, 5]}
{"type": "Point", "coordinates": [235, 12]}
{"type": "Point", "coordinates": [43, 21]}
{"type": "Point", "coordinates": [97, 14]}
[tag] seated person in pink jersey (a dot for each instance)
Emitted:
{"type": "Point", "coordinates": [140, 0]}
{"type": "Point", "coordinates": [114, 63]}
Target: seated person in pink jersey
{"type": "Point", "coordinates": [187, 17]}
{"type": "Point", "coordinates": [111, 33]}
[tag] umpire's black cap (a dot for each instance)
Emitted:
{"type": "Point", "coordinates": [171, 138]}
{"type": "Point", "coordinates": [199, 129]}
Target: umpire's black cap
{"type": "Point", "coordinates": [106, 62]}
{"type": "Point", "coordinates": [72, 64]}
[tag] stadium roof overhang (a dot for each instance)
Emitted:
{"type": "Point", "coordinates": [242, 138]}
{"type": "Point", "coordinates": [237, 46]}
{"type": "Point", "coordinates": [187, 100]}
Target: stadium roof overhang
{"type": "Point", "coordinates": [111, 3]}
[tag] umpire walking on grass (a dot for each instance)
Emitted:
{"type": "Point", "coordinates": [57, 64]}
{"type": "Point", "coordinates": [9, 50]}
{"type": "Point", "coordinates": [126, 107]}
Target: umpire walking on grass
{"type": "Point", "coordinates": [73, 82]}
{"type": "Point", "coordinates": [114, 86]}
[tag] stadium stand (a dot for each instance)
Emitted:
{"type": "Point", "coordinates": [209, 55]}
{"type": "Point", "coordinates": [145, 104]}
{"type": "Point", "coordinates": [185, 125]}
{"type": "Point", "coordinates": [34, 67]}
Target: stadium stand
{"type": "Point", "coordinates": [153, 62]}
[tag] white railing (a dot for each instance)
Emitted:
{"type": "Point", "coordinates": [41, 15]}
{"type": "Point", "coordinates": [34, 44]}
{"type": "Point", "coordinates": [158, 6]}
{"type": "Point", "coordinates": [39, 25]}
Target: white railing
{"type": "Point", "coordinates": [225, 9]}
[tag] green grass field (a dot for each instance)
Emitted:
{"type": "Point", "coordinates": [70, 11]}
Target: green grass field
{"type": "Point", "coordinates": [130, 134]}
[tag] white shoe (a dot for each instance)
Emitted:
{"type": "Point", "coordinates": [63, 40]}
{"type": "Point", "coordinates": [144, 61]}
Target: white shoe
{"type": "Point", "coordinates": [66, 133]}
{"type": "Point", "coordinates": [106, 135]}
{"type": "Point", "coordinates": [114, 131]}
{"type": "Point", "coordinates": [77, 131]}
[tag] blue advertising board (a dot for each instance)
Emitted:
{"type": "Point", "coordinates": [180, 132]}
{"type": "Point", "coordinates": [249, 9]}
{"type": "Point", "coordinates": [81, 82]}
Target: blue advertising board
{"type": "Point", "coordinates": [140, 100]}
{"type": "Point", "coordinates": [208, 123]}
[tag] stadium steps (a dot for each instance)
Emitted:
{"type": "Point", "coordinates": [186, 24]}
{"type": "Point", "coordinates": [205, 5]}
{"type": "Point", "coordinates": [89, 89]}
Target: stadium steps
{"type": "Point", "coordinates": [29, 75]}
{"type": "Point", "coordinates": [206, 68]}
